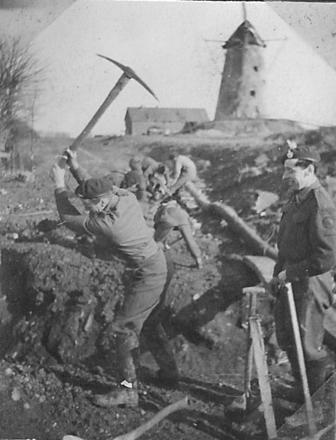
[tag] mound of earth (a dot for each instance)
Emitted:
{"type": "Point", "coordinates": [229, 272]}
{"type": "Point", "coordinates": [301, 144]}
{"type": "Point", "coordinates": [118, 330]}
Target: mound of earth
{"type": "Point", "coordinates": [59, 294]}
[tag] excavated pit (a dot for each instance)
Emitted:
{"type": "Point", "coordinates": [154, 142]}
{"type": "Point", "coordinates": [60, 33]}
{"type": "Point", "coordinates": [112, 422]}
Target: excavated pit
{"type": "Point", "coordinates": [56, 306]}
{"type": "Point", "coordinates": [57, 301]}
{"type": "Point", "coordinates": [59, 295]}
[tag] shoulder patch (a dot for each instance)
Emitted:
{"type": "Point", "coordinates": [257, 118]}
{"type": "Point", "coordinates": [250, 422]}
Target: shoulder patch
{"type": "Point", "coordinates": [328, 222]}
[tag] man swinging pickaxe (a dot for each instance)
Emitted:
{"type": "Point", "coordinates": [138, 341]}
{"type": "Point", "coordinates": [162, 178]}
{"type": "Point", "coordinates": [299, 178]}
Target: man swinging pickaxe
{"type": "Point", "coordinates": [128, 74]}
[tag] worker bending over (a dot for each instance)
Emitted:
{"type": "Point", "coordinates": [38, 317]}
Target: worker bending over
{"type": "Point", "coordinates": [184, 170]}
{"type": "Point", "coordinates": [170, 216]}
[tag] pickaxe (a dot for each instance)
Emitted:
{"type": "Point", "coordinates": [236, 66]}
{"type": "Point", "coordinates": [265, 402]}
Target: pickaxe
{"type": "Point", "coordinates": [128, 74]}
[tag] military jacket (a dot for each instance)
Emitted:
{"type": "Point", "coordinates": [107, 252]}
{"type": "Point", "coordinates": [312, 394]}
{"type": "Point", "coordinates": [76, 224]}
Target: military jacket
{"type": "Point", "coordinates": [122, 228]}
{"type": "Point", "coordinates": [307, 234]}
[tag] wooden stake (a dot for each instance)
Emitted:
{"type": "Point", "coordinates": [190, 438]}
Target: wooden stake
{"type": "Point", "coordinates": [137, 432]}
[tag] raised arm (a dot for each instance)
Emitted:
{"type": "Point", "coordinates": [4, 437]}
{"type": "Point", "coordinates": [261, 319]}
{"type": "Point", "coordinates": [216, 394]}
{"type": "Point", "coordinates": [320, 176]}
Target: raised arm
{"type": "Point", "coordinates": [68, 213]}
{"type": "Point", "coordinates": [79, 173]}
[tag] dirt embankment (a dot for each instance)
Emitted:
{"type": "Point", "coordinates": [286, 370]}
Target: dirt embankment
{"type": "Point", "coordinates": [59, 296]}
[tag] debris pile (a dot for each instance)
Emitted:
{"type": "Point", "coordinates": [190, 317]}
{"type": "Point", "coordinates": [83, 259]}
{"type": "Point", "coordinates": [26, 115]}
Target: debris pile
{"type": "Point", "coordinates": [57, 299]}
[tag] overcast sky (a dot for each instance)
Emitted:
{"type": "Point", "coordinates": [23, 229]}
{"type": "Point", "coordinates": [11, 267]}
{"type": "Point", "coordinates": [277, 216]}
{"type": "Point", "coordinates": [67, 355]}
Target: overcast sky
{"type": "Point", "coordinates": [166, 45]}
{"type": "Point", "coordinates": [316, 21]}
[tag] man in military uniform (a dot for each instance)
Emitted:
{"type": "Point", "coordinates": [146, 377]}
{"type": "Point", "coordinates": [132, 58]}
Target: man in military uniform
{"type": "Point", "coordinates": [307, 246]}
{"type": "Point", "coordinates": [115, 217]}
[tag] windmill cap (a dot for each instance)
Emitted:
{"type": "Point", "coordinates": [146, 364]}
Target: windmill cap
{"type": "Point", "coordinates": [94, 188]}
{"type": "Point", "coordinates": [305, 152]}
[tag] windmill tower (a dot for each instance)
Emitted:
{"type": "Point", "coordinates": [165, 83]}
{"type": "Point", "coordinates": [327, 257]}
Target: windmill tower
{"type": "Point", "coordinates": [241, 89]}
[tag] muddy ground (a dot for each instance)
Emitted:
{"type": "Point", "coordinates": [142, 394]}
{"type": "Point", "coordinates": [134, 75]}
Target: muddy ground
{"type": "Point", "coordinates": [59, 293]}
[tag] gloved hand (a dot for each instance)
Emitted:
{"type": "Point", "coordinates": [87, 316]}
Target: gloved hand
{"type": "Point", "coordinates": [282, 277]}
{"type": "Point", "coordinates": [274, 286]}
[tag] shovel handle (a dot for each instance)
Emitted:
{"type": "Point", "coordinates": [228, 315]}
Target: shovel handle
{"type": "Point", "coordinates": [302, 367]}
{"type": "Point", "coordinates": [132, 435]}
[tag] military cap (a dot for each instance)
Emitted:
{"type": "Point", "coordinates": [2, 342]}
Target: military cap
{"type": "Point", "coordinates": [303, 152]}
{"type": "Point", "coordinates": [94, 188]}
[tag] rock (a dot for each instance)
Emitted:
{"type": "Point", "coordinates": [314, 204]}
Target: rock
{"type": "Point", "coordinates": [58, 289]}
{"type": "Point", "coordinates": [265, 200]}
{"type": "Point", "coordinates": [16, 395]}
{"type": "Point", "coordinates": [12, 236]}
{"type": "Point", "coordinates": [71, 437]}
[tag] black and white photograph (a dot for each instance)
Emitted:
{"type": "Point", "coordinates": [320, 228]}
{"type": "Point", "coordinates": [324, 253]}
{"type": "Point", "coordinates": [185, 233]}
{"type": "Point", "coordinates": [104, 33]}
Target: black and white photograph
{"type": "Point", "coordinates": [167, 220]}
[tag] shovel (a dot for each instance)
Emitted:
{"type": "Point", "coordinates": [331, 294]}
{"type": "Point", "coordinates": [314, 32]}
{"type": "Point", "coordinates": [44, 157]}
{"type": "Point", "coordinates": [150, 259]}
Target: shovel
{"type": "Point", "coordinates": [302, 367]}
{"type": "Point", "coordinates": [137, 432]}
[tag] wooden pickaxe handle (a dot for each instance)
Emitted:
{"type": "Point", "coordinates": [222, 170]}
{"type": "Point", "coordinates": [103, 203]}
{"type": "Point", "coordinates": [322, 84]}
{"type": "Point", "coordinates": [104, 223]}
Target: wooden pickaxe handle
{"type": "Point", "coordinates": [128, 74]}
{"type": "Point", "coordinates": [120, 84]}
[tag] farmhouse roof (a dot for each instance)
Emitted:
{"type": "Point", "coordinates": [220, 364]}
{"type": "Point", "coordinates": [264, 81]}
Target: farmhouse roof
{"type": "Point", "coordinates": [244, 34]}
{"type": "Point", "coordinates": [156, 114]}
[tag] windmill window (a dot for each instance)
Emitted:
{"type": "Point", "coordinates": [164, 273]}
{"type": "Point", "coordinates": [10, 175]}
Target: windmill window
{"type": "Point", "coordinates": [256, 68]}
{"type": "Point", "coordinates": [252, 92]}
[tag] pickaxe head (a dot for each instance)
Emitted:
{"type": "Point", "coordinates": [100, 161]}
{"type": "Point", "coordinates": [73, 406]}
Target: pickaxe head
{"type": "Point", "coordinates": [130, 74]}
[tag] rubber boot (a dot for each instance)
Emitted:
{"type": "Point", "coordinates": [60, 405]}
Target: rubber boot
{"type": "Point", "coordinates": [127, 393]}
{"type": "Point", "coordinates": [293, 393]}
{"type": "Point", "coordinates": [316, 376]}
{"type": "Point", "coordinates": [124, 396]}
{"type": "Point", "coordinates": [158, 344]}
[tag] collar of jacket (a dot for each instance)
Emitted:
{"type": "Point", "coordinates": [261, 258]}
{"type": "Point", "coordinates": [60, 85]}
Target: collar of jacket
{"type": "Point", "coordinates": [110, 209]}
{"type": "Point", "coordinates": [301, 195]}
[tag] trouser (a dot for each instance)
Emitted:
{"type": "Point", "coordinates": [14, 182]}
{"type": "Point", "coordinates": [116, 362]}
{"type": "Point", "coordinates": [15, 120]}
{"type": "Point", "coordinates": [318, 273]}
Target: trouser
{"type": "Point", "coordinates": [143, 299]}
{"type": "Point", "coordinates": [312, 297]}
{"type": "Point", "coordinates": [185, 177]}
{"type": "Point", "coordinates": [154, 334]}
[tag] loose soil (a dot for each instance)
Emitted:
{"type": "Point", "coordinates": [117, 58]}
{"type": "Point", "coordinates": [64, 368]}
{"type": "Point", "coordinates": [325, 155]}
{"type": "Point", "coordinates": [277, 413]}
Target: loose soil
{"type": "Point", "coordinates": [59, 293]}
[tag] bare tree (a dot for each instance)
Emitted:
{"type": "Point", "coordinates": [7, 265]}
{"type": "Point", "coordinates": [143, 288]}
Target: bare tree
{"type": "Point", "coordinates": [19, 79]}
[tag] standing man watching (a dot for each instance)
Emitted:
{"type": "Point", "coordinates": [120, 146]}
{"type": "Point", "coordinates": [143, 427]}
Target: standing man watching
{"type": "Point", "coordinates": [307, 247]}
{"type": "Point", "coordinates": [115, 217]}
